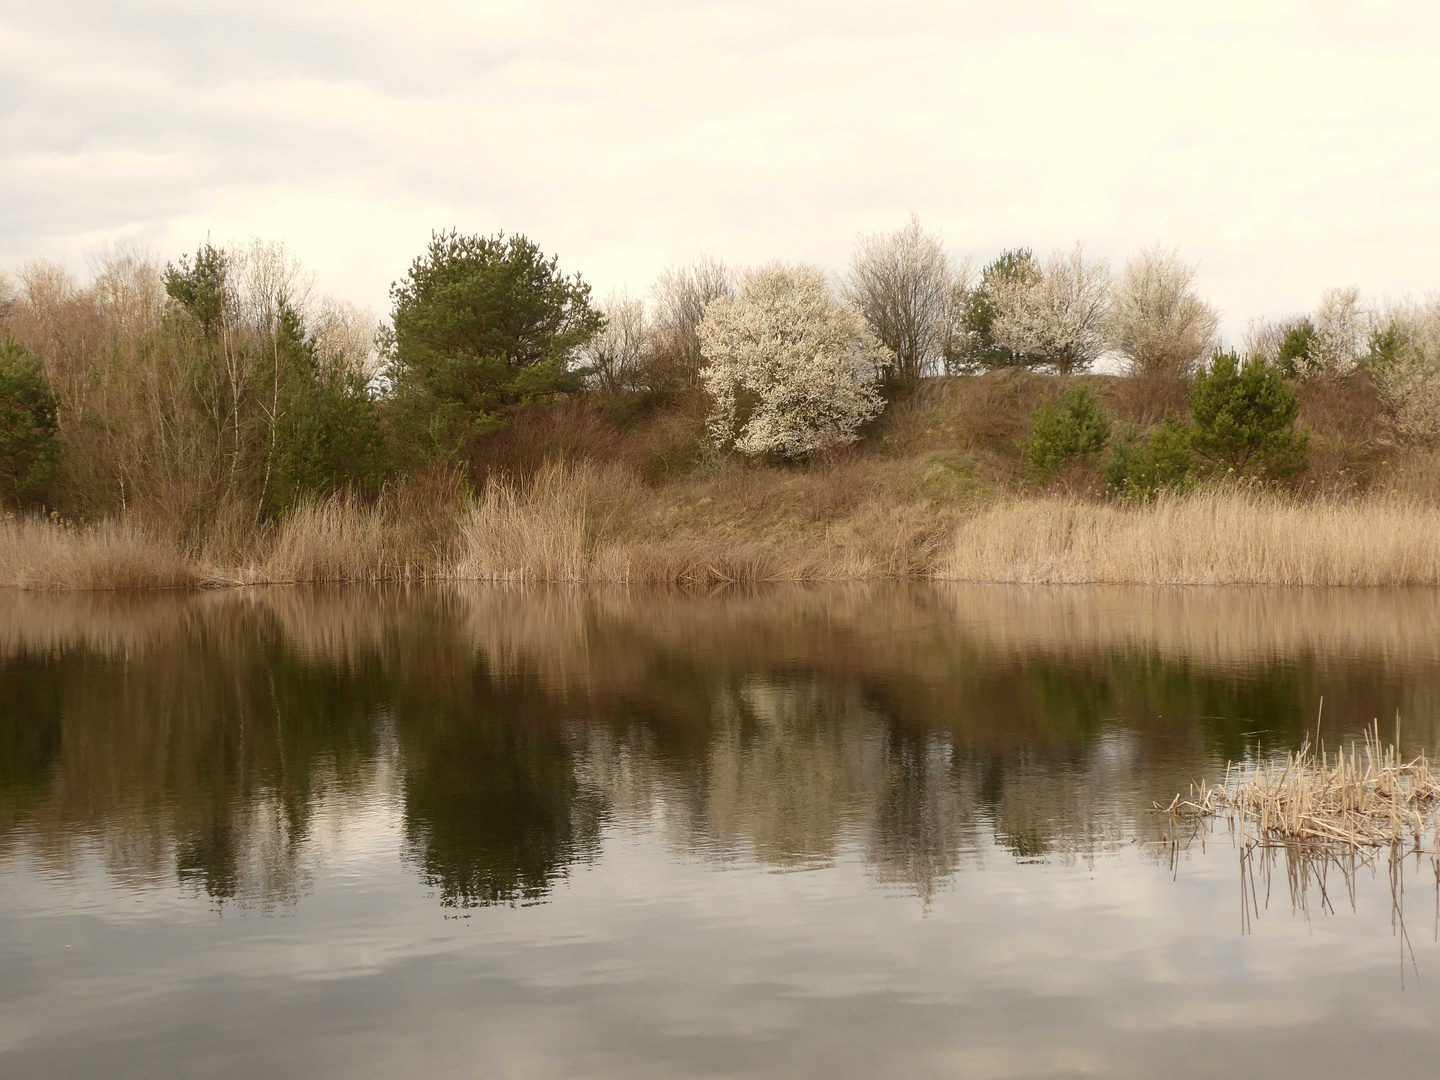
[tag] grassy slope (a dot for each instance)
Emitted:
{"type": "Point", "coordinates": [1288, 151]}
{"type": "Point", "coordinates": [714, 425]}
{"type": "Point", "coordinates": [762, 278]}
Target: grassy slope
{"type": "Point", "coordinates": [626, 490]}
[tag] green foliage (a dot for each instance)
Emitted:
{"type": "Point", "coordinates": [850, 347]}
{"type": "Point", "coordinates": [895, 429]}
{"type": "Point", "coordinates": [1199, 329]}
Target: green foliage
{"type": "Point", "coordinates": [1070, 426]}
{"type": "Point", "coordinates": [978, 347]}
{"type": "Point", "coordinates": [1295, 347]}
{"type": "Point", "coordinates": [1142, 466]}
{"type": "Point", "coordinates": [200, 287]}
{"type": "Point", "coordinates": [327, 432]}
{"type": "Point", "coordinates": [483, 325]}
{"type": "Point", "coordinates": [29, 426]}
{"type": "Point", "coordinates": [1388, 345]}
{"type": "Point", "coordinates": [1245, 417]}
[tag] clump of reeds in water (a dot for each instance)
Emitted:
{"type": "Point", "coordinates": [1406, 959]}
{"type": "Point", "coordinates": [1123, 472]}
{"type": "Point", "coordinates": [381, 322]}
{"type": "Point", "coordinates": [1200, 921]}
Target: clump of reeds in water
{"type": "Point", "coordinates": [1319, 813]}
{"type": "Point", "coordinates": [1364, 797]}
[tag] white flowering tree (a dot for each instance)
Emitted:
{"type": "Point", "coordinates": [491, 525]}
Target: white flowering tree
{"type": "Point", "coordinates": [791, 369]}
{"type": "Point", "coordinates": [1157, 322]}
{"type": "Point", "coordinates": [1405, 364]}
{"type": "Point", "coordinates": [1059, 312]}
{"type": "Point", "coordinates": [1342, 331]}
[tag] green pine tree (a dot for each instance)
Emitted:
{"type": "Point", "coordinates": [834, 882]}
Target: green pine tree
{"type": "Point", "coordinates": [29, 426]}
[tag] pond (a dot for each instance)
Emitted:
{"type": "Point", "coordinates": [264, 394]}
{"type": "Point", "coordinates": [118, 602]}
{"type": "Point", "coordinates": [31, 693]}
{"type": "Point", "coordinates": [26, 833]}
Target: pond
{"type": "Point", "coordinates": [858, 831]}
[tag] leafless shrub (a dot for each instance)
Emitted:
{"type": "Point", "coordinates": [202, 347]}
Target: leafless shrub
{"type": "Point", "coordinates": [1266, 338]}
{"type": "Point", "coordinates": [681, 295]}
{"type": "Point", "coordinates": [617, 354]}
{"type": "Point", "coordinates": [904, 286]}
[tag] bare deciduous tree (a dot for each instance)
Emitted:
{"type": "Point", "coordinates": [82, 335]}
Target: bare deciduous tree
{"type": "Point", "coordinates": [1060, 313]}
{"type": "Point", "coordinates": [1157, 322]}
{"type": "Point", "coordinates": [344, 336]}
{"type": "Point", "coordinates": [681, 295]}
{"type": "Point", "coordinates": [263, 274]}
{"type": "Point", "coordinates": [903, 285]}
{"type": "Point", "coordinates": [617, 353]}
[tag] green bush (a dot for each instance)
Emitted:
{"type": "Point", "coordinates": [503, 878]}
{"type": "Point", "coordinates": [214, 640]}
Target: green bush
{"type": "Point", "coordinates": [327, 432]}
{"type": "Point", "coordinates": [1068, 427]}
{"type": "Point", "coordinates": [29, 426]}
{"type": "Point", "coordinates": [1295, 348]}
{"type": "Point", "coordinates": [1142, 466]}
{"type": "Point", "coordinates": [1245, 418]}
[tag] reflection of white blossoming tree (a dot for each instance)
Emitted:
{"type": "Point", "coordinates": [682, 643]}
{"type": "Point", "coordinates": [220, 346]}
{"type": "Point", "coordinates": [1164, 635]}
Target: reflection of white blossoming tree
{"type": "Point", "coordinates": [791, 368]}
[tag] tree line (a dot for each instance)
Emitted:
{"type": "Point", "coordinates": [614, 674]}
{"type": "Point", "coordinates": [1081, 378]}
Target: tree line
{"type": "Point", "coordinates": [222, 386]}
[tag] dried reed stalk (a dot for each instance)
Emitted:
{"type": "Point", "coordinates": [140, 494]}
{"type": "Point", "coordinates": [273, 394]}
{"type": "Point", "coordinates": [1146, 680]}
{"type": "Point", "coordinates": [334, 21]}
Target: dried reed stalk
{"type": "Point", "coordinates": [1365, 798]}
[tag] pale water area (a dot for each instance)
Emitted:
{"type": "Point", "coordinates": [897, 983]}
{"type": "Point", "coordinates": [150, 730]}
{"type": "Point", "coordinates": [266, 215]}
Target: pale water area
{"type": "Point", "coordinates": [872, 831]}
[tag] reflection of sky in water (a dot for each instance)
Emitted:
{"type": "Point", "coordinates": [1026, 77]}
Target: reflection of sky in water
{"type": "Point", "coordinates": [645, 964]}
{"type": "Point", "coordinates": [833, 834]}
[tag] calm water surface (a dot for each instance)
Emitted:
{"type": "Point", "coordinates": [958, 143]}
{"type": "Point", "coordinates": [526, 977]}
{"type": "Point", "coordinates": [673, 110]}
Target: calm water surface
{"type": "Point", "coordinates": [831, 832]}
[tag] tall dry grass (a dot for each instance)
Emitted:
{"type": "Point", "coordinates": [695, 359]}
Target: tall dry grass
{"type": "Point", "coordinates": [585, 522]}
{"type": "Point", "coordinates": [40, 553]}
{"type": "Point", "coordinates": [337, 540]}
{"type": "Point", "coordinates": [591, 523]}
{"type": "Point", "coordinates": [1208, 538]}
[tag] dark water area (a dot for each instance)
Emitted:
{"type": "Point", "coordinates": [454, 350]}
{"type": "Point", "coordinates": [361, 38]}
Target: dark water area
{"type": "Point", "coordinates": [833, 832]}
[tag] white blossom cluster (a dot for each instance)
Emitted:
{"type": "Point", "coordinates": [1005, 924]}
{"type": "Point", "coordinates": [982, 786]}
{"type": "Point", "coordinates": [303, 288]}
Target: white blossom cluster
{"type": "Point", "coordinates": [1157, 321]}
{"type": "Point", "coordinates": [791, 369]}
{"type": "Point", "coordinates": [1060, 311]}
{"type": "Point", "coordinates": [1410, 383]}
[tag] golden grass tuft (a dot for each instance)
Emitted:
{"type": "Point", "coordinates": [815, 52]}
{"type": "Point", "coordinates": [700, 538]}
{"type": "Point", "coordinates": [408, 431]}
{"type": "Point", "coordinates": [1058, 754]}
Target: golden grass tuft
{"type": "Point", "coordinates": [539, 532]}
{"type": "Point", "coordinates": [331, 541]}
{"type": "Point", "coordinates": [41, 553]}
{"type": "Point", "coordinates": [1208, 538]}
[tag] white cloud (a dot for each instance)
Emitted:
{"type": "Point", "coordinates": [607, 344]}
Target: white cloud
{"type": "Point", "coordinates": [1286, 146]}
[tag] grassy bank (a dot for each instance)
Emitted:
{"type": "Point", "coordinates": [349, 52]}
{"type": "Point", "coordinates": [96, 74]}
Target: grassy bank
{"type": "Point", "coordinates": [591, 491]}
{"type": "Point", "coordinates": [588, 524]}
{"type": "Point", "coordinates": [1207, 538]}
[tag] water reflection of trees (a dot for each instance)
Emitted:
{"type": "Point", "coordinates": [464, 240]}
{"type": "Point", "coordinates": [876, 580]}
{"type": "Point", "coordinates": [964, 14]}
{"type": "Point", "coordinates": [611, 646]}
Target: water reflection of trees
{"type": "Point", "coordinates": [198, 738]}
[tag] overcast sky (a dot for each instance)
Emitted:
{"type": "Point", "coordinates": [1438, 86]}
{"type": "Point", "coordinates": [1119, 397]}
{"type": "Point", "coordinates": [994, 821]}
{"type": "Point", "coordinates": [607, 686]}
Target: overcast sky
{"type": "Point", "coordinates": [1283, 146]}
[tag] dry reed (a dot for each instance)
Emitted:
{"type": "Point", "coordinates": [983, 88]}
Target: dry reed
{"type": "Point", "coordinates": [590, 523]}
{"type": "Point", "coordinates": [1369, 798]}
{"type": "Point", "coordinates": [586, 523]}
{"type": "Point", "coordinates": [334, 540]}
{"type": "Point", "coordinates": [41, 553]}
{"type": "Point", "coordinates": [1208, 538]}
